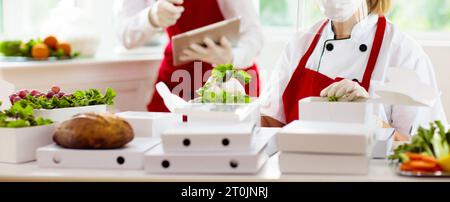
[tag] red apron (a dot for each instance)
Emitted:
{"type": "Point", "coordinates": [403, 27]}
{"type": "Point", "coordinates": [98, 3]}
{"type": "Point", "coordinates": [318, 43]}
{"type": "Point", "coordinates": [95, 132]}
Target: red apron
{"type": "Point", "coordinates": [307, 83]}
{"type": "Point", "coordinates": [198, 13]}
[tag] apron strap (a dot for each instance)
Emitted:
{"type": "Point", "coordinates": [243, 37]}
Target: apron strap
{"type": "Point", "coordinates": [375, 52]}
{"type": "Point", "coordinates": [311, 48]}
{"type": "Point", "coordinates": [302, 64]}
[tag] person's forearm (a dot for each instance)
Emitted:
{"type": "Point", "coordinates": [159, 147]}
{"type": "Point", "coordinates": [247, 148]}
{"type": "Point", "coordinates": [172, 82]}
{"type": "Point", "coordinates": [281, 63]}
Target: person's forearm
{"type": "Point", "coordinates": [136, 30]}
{"type": "Point", "coordinates": [397, 136]}
{"type": "Point", "coordinates": [270, 122]}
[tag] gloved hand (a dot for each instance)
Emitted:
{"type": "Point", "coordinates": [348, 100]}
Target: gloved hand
{"type": "Point", "coordinates": [213, 53]}
{"type": "Point", "coordinates": [166, 13]}
{"type": "Point", "coordinates": [346, 89]}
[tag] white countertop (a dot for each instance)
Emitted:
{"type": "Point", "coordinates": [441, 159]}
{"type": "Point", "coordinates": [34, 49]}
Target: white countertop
{"type": "Point", "coordinates": [115, 56]}
{"type": "Point", "coordinates": [379, 172]}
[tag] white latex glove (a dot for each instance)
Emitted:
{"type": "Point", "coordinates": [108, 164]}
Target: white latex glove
{"type": "Point", "coordinates": [215, 54]}
{"type": "Point", "coordinates": [346, 89]}
{"type": "Point", "coordinates": [166, 13]}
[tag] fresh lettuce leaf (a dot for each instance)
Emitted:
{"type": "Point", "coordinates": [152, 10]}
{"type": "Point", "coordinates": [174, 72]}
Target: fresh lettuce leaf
{"type": "Point", "coordinates": [77, 99]}
{"type": "Point", "coordinates": [21, 115]}
{"type": "Point", "coordinates": [220, 74]}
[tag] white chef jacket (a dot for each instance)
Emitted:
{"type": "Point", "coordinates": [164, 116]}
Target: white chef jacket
{"type": "Point", "coordinates": [347, 58]}
{"type": "Point", "coordinates": [134, 28]}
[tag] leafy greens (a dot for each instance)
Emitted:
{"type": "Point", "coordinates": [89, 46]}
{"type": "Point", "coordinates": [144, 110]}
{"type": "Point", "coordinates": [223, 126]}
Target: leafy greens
{"type": "Point", "coordinates": [221, 74]}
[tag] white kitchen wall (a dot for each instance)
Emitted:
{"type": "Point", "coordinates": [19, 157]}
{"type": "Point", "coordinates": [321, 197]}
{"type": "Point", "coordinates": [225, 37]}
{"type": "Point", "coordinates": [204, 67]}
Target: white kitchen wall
{"type": "Point", "coordinates": [440, 57]}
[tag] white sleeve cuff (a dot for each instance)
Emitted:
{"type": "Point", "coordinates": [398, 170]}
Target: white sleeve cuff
{"type": "Point", "coordinates": [144, 19]}
{"type": "Point", "coordinates": [240, 61]}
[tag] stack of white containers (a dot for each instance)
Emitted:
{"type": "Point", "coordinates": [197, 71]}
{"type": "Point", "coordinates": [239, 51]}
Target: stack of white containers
{"type": "Point", "coordinates": [329, 138]}
{"type": "Point", "coordinates": [217, 139]}
{"type": "Point", "coordinates": [147, 127]}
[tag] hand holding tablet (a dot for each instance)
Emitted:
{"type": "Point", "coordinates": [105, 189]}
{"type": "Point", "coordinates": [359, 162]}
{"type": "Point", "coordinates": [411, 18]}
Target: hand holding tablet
{"type": "Point", "coordinates": [211, 44]}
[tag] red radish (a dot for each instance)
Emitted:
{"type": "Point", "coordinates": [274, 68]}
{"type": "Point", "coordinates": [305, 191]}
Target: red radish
{"type": "Point", "coordinates": [16, 99]}
{"type": "Point", "coordinates": [56, 89]}
{"type": "Point", "coordinates": [12, 97]}
{"type": "Point", "coordinates": [60, 95]}
{"type": "Point", "coordinates": [50, 94]}
{"type": "Point", "coordinates": [35, 92]}
{"type": "Point", "coordinates": [23, 94]}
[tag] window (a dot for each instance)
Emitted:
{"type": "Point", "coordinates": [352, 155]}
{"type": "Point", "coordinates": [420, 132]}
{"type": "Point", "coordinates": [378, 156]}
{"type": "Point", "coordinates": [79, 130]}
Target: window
{"type": "Point", "coordinates": [22, 18]}
{"type": "Point", "coordinates": [422, 15]}
{"type": "Point", "coordinates": [424, 18]}
{"type": "Point", "coordinates": [25, 19]}
{"type": "Point", "coordinates": [278, 12]}
{"type": "Point", "coordinates": [1, 16]}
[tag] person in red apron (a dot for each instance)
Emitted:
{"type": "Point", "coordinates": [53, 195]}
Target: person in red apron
{"type": "Point", "coordinates": [345, 56]}
{"type": "Point", "coordinates": [306, 82]}
{"type": "Point", "coordinates": [177, 17]}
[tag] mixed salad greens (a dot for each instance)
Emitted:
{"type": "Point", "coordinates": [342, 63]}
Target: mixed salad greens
{"type": "Point", "coordinates": [216, 91]}
{"type": "Point", "coordinates": [55, 99]}
{"type": "Point", "coordinates": [429, 150]}
{"type": "Point", "coordinates": [333, 99]}
{"type": "Point", "coordinates": [21, 115]}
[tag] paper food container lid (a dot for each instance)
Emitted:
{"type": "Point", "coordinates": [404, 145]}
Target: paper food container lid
{"type": "Point", "coordinates": [6, 89]}
{"type": "Point", "coordinates": [404, 87]}
{"type": "Point", "coordinates": [176, 104]}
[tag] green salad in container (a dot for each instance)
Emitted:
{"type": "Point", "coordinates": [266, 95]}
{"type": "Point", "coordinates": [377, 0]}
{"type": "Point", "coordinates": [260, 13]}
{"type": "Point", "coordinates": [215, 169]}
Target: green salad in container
{"type": "Point", "coordinates": [21, 115]}
{"type": "Point", "coordinates": [226, 86]}
{"type": "Point", "coordinates": [56, 99]}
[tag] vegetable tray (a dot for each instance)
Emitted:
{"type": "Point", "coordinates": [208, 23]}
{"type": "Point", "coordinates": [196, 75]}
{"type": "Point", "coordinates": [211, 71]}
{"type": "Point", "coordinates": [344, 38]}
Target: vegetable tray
{"type": "Point", "coordinates": [420, 174]}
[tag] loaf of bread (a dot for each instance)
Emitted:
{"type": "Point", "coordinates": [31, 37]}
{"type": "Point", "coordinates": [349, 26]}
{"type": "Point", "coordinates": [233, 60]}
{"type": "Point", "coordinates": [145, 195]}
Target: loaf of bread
{"type": "Point", "coordinates": [94, 131]}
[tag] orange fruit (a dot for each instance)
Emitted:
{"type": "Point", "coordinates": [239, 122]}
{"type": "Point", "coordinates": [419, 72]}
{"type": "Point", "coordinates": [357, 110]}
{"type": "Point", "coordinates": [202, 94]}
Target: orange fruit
{"type": "Point", "coordinates": [51, 42]}
{"type": "Point", "coordinates": [40, 51]}
{"type": "Point", "coordinates": [67, 49]}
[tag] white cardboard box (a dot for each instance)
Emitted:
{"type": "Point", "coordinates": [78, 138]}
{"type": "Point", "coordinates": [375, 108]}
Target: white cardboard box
{"type": "Point", "coordinates": [6, 89]}
{"type": "Point", "coordinates": [233, 113]}
{"type": "Point", "coordinates": [250, 162]}
{"type": "Point", "coordinates": [304, 163]}
{"type": "Point", "coordinates": [320, 109]}
{"type": "Point", "coordinates": [384, 140]}
{"type": "Point", "coordinates": [325, 137]}
{"type": "Point", "coordinates": [19, 145]}
{"type": "Point", "coordinates": [64, 114]}
{"type": "Point", "coordinates": [150, 124]}
{"type": "Point", "coordinates": [129, 157]}
{"type": "Point", "coordinates": [213, 137]}
{"type": "Point", "coordinates": [253, 117]}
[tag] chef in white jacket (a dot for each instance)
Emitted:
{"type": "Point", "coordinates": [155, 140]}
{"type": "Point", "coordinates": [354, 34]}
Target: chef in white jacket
{"type": "Point", "coordinates": [346, 56]}
{"type": "Point", "coordinates": [139, 20]}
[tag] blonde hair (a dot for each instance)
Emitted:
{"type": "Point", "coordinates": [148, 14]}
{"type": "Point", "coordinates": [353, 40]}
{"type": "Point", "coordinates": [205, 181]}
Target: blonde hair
{"type": "Point", "coordinates": [380, 7]}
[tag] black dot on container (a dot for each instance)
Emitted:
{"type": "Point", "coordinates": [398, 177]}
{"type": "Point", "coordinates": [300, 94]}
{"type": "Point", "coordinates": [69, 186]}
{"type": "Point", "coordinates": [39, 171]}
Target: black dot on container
{"type": "Point", "coordinates": [234, 164]}
{"type": "Point", "coordinates": [186, 142]}
{"type": "Point", "coordinates": [165, 164]}
{"type": "Point", "coordinates": [225, 142]}
{"type": "Point", "coordinates": [120, 160]}
{"type": "Point", "coordinates": [56, 160]}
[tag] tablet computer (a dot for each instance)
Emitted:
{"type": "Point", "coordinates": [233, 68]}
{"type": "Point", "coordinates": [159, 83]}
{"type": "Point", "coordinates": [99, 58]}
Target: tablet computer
{"type": "Point", "coordinates": [228, 28]}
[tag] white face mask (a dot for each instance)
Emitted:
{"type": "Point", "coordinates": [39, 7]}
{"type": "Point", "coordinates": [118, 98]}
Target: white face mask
{"type": "Point", "coordinates": [340, 10]}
